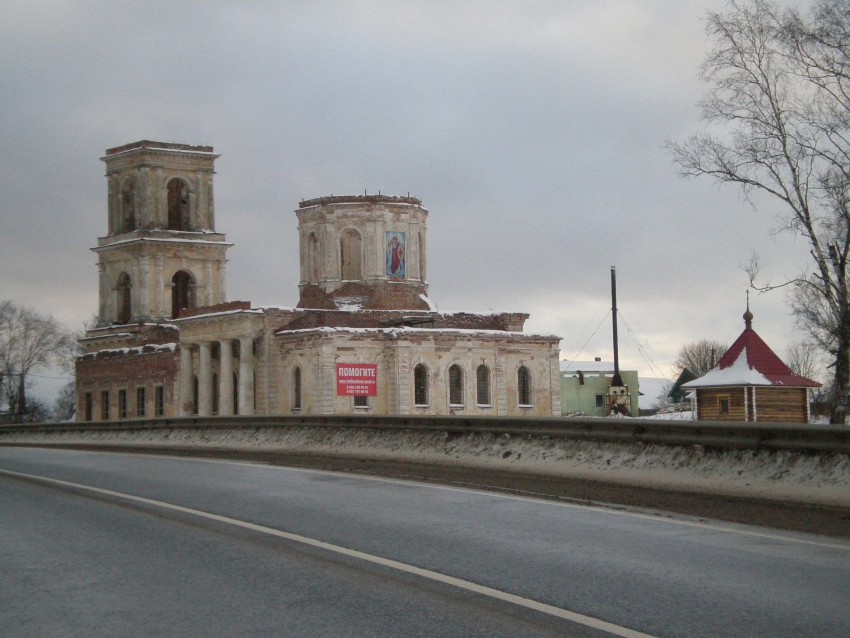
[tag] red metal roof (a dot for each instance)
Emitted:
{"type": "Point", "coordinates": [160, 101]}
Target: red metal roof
{"type": "Point", "coordinates": [762, 359]}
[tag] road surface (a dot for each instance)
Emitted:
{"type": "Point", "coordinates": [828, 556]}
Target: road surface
{"type": "Point", "coordinates": [96, 544]}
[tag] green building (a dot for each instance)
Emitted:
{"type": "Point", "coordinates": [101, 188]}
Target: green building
{"type": "Point", "coordinates": [585, 388]}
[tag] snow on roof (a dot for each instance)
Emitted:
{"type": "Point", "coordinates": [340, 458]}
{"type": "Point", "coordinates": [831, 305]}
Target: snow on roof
{"type": "Point", "coordinates": [750, 361]}
{"type": "Point", "coordinates": [431, 306]}
{"type": "Point", "coordinates": [401, 330]}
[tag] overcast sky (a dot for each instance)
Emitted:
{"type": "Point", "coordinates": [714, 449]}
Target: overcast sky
{"type": "Point", "coordinates": [533, 132]}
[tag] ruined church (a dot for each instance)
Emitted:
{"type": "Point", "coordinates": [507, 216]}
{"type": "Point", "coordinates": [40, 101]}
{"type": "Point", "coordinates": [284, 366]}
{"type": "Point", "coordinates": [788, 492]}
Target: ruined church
{"type": "Point", "coordinates": [363, 339]}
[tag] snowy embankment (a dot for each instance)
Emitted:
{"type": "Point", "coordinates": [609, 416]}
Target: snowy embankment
{"type": "Point", "coordinates": [801, 476]}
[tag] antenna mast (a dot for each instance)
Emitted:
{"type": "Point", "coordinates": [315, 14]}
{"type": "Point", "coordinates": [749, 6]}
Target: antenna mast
{"type": "Point", "coordinates": [617, 380]}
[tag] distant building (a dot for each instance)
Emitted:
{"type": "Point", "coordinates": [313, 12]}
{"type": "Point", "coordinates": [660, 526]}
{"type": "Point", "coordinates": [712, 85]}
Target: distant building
{"type": "Point", "coordinates": [586, 388]}
{"type": "Point", "coordinates": [751, 383]}
{"type": "Point", "coordinates": [364, 338]}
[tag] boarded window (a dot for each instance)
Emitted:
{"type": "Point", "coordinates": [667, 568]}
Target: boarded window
{"type": "Point", "coordinates": [524, 385]}
{"type": "Point", "coordinates": [420, 385]}
{"type": "Point", "coordinates": [178, 205]}
{"type": "Point", "coordinates": [351, 255]}
{"type": "Point", "coordinates": [455, 386]}
{"type": "Point", "coordinates": [482, 385]}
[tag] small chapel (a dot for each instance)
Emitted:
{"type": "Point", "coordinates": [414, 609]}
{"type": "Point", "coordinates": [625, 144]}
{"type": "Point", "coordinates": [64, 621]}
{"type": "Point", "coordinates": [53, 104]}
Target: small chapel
{"type": "Point", "coordinates": [751, 383]}
{"type": "Point", "coordinates": [364, 337]}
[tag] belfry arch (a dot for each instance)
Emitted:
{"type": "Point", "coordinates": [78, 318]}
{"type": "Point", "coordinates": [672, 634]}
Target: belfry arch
{"type": "Point", "coordinates": [178, 205]}
{"type": "Point", "coordinates": [182, 292]}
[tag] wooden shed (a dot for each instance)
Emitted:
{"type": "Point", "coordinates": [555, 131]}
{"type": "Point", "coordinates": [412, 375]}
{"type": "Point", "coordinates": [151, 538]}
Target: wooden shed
{"type": "Point", "coordinates": [750, 383]}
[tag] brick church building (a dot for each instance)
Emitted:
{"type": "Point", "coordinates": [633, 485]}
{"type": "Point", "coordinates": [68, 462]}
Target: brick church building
{"type": "Point", "coordinates": [364, 337]}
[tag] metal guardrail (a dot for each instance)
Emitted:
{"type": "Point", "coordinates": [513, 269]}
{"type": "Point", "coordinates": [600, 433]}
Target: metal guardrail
{"type": "Point", "coordinates": [709, 434]}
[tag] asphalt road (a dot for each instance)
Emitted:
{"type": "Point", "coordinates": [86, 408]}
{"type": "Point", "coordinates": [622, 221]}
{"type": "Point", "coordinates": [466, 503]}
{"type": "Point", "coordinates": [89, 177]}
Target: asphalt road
{"type": "Point", "coordinates": [95, 544]}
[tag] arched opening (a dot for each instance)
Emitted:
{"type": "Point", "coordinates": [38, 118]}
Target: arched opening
{"type": "Point", "coordinates": [523, 378]}
{"type": "Point", "coordinates": [124, 305]}
{"type": "Point", "coordinates": [351, 255]}
{"type": "Point", "coordinates": [482, 385]}
{"type": "Point", "coordinates": [420, 385]}
{"type": "Point", "coordinates": [181, 292]}
{"type": "Point", "coordinates": [313, 258]}
{"type": "Point", "coordinates": [178, 205]}
{"type": "Point", "coordinates": [455, 386]}
{"type": "Point", "coordinates": [128, 207]}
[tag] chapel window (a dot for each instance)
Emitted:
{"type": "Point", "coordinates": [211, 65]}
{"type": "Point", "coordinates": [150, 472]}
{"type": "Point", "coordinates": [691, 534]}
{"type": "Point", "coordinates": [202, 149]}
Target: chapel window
{"type": "Point", "coordinates": [178, 205]}
{"type": "Point", "coordinates": [524, 386]}
{"type": "Point", "coordinates": [482, 385]}
{"type": "Point", "coordinates": [455, 386]}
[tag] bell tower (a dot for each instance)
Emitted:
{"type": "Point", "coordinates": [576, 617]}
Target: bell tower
{"type": "Point", "coordinates": [162, 253]}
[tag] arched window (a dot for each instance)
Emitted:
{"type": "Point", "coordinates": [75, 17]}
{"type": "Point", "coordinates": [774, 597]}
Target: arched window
{"type": "Point", "coordinates": [313, 259]}
{"type": "Point", "coordinates": [482, 385]}
{"type": "Point", "coordinates": [523, 379]}
{"type": "Point", "coordinates": [181, 292]}
{"type": "Point", "coordinates": [128, 207]}
{"type": "Point", "coordinates": [124, 308]}
{"type": "Point", "coordinates": [178, 205]}
{"type": "Point", "coordinates": [420, 385]}
{"type": "Point", "coordinates": [296, 388]}
{"type": "Point", "coordinates": [455, 386]}
{"type": "Point", "coordinates": [350, 255]}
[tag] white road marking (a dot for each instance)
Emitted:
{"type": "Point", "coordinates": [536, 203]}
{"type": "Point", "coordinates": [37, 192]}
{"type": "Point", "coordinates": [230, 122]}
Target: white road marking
{"type": "Point", "coordinates": [581, 619]}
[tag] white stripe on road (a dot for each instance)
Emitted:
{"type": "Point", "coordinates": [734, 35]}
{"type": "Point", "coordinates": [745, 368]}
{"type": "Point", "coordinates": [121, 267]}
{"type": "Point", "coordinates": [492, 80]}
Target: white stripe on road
{"type": "Point", "coordinates": [483, 590]}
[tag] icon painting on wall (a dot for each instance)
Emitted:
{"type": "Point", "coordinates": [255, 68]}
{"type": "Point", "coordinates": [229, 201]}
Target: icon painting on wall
{"type": "Point", "coordinates": [396, 254]}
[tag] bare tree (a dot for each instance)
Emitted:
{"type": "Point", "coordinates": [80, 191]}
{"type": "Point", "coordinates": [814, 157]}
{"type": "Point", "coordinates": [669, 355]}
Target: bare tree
{"type": "Point", "coordinates": [802, 358]}
{"type": "Point", "coordinates": [66, 403]}
{"type": "Point", "coordinates": [699, 356]}
{"type": "Point", "coordinates": [28, 341]}
{"type": "Point", "coordinates": [780, 101]}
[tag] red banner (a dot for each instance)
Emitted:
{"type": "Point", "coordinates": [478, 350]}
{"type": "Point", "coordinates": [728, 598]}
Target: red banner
{"type": "Point", "coordinates": [356, 379]}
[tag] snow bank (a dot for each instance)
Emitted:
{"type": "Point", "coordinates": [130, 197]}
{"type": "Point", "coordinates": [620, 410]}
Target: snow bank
{"type": "Point", "coordinates": [803, 477]}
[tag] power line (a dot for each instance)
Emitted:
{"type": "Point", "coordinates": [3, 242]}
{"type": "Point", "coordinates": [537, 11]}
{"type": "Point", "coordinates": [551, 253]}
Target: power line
{"type": "Point", "coordinates": [584, 345]}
